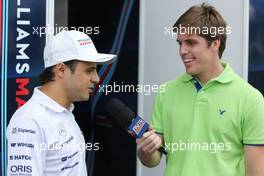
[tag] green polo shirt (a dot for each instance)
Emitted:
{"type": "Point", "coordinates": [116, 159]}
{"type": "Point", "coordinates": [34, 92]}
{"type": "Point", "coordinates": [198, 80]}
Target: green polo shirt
{"type": "Point", "coordinates": [206, 127]}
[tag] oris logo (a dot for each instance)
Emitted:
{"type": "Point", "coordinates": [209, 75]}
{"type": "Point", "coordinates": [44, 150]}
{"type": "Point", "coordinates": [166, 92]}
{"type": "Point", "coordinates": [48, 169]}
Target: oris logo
{"type": "Point", "coordinates": [21, 169]}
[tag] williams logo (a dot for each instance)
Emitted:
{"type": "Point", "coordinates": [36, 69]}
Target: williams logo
{"type": "Point", "coordinates": [21, 144]}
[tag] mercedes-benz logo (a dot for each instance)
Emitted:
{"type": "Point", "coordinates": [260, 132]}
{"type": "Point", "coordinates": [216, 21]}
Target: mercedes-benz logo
{"type": "Point", "coordinates": [62, 130]}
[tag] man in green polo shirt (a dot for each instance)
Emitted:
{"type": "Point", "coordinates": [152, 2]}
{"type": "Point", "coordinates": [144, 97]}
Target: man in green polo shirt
{"type": "Point", "coordinates": [210, 121]}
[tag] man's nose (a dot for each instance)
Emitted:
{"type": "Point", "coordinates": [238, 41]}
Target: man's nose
{"type": "Point", "coordinates": [95, 78]}
{"type": "Point", "coordinates": [183, 50]}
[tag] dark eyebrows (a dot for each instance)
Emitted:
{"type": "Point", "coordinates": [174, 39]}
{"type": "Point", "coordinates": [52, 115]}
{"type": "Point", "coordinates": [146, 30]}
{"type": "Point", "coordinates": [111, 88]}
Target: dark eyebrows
{"type": "Point", "coordinates": [187, 41]}
{"type": "Point", "coordinates": [91, 68]}
{"type": "Point", "coordinates": [191, 40]}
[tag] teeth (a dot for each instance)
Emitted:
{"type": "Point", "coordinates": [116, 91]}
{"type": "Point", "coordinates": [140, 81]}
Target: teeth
{"type": "Point", "coordinates": [187, 60]}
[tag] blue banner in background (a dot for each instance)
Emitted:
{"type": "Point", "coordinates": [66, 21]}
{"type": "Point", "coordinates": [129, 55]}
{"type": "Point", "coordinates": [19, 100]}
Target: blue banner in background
{"type": "Point", "coordinates": [22, 58]}
{"type": "Point", "coordinates": [25, 50]}
{"type": "Point", "coordinates": [256, 44]}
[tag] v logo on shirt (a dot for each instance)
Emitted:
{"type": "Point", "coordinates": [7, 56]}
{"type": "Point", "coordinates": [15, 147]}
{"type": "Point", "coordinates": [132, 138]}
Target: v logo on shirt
{"type": "Point", "coordinates": [222, 111]}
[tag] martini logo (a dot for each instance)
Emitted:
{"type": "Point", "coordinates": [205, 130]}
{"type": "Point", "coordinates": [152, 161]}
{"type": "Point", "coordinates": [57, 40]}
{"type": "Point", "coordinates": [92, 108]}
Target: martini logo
{"type": "Point", "coordinates": [84, 42]}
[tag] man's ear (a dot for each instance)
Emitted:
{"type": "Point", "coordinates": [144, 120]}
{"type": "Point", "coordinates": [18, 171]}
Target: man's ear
{"type": "Point", "coordinates": [59, 70]}
{"type": "Point", "coordinates": [216, 45]}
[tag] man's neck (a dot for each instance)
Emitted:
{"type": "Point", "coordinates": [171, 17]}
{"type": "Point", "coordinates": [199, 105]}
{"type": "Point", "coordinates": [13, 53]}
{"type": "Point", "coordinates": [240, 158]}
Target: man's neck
{"type": "Point", "coordinates": [56, 94]}
{"type": "Point", "coordinates": [213, 72]}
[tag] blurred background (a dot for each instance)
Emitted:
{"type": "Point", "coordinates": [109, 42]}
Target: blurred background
{"type": "Point", "coordinates": [134, 30]}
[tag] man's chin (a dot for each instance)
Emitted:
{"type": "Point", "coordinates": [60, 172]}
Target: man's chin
{"type": "Point", "coordinates": [190, 72]}
{"type": "Point", "coordinates": [86, 98]}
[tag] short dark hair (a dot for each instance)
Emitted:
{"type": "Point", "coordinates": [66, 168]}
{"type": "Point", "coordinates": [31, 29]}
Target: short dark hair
{"type": "Point", "coordinates": [48, 75]}
{"type": "Point", "coordinates": [201, 16]}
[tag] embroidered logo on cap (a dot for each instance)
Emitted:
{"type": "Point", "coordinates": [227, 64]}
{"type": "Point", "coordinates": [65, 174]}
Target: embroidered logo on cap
{"type": "Point", "coordinates": [85, 42]}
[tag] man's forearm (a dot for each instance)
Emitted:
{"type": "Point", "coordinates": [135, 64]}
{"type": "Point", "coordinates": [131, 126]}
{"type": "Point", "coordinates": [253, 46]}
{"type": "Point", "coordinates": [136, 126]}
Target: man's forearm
{"type": "Point", "coordinates": [149, 160]}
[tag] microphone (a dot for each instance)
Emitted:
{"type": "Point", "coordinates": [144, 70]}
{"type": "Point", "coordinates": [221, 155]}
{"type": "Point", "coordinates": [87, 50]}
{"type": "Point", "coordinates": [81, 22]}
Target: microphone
{"type": "Point", "coordinates": [134, 124]}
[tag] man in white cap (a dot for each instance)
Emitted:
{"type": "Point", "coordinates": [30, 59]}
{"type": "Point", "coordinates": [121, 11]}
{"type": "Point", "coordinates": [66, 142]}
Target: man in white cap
{"type": "Point", "coordinates": [43, 136]}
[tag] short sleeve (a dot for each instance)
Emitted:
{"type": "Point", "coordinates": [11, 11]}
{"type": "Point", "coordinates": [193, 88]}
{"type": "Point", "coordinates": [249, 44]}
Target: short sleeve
{"type": "Point", "coordinates": [253, 123]}
{"type": "Point", "coordinates": [156, 117]}
{"type": "Point", "coordinates": [26, 155]}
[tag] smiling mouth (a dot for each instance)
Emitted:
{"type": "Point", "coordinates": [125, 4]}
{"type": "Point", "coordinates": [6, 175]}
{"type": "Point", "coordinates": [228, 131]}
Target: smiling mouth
{"type": "Point", "coordinates": [187, 61]}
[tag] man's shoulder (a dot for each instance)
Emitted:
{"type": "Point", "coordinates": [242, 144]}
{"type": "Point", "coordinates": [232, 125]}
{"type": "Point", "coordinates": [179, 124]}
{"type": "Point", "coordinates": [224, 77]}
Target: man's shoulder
{"type": "Point", "coordinates": [23, 119]}
{"type": "Point", "coordinates": [245, 93]}
{"type": "Point", "coordinates": [31, 116]}
{"type": "Point", "coordinates": [246, 88]}
{"type": "Point", "coordinates": [175, 83]}
{"type": "Point", "coordinates": [30, 111]}
{"type": "Point", "coordinates": [31, 107]}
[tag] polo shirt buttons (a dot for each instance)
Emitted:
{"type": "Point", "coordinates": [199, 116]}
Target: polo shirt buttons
{"type": "Point", "coordinates": [201, 97]}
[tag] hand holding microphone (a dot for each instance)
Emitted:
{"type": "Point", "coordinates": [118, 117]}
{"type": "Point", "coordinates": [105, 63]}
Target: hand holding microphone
{"type": "Point", "coordinates": [147, 139]}
{"type": "Point", "coordinates": [149, 142]}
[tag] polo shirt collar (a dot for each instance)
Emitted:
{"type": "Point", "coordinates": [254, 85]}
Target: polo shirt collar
{"type": "Point", "coordinates": [225, 77]}
{"type": "Point", "coordinates": [46, 101]}
{"type": "Point", "coordinates": [186, 77]}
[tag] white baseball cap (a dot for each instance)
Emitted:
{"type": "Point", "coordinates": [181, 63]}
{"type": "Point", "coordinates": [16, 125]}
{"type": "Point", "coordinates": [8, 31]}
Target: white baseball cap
{"type": "Point", "coordinates": [73, 45]}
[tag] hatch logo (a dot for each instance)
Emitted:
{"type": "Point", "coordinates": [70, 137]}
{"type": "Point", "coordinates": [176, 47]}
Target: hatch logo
{"type": "Point", "coordinates": [19, 157]}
